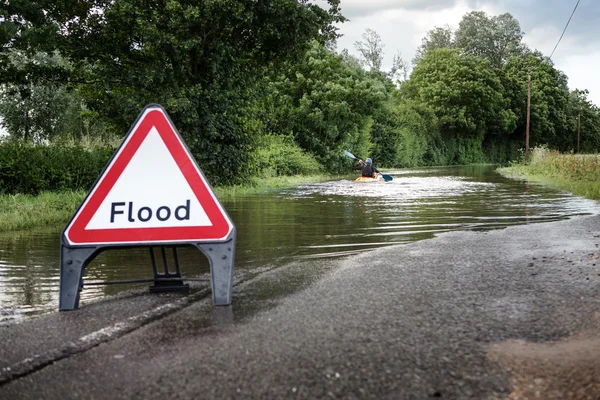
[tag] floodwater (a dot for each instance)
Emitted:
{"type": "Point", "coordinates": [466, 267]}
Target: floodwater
{"type": "Point", "coordinates": [329, 219]}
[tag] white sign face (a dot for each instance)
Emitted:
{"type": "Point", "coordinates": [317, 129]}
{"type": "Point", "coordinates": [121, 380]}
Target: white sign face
{"type": "Point", "coordinates": [150, 193]}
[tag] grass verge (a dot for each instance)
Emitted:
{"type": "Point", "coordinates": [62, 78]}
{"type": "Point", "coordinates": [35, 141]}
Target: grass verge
{"type": "Point", "coordinates": [578, 174]}
{"type": "Point", "coordinates": [25, 211]}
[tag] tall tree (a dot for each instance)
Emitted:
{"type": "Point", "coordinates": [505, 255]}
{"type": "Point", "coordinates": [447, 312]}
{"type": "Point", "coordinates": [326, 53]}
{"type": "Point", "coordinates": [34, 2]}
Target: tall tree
{"type": "Point", "coordinates": [38, 109]}
{"type": "Point", "coordinates": [464, 92]}
{"type": "Point", "coordinates": [549, 123]}
{"type": "Point", "coordinates": [437, 38]}
{"type": "Point", "coordinates": [495, 38]}
{"type": "Point", "coordinates": [584, 118]}
{"type": "Point", "coordinates": [399, 71]}
{"type": "Point", "coordinates": [370, 49]}
{"type": "Point", "coordinates": [327, 104]}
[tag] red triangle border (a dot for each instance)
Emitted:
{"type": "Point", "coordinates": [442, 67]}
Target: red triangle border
{"type": "Point", "coordinates": [156, 117]}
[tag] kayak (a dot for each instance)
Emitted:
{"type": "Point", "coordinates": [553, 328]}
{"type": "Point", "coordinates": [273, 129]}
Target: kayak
{"type": "Point", "coordinates": [378, 178]}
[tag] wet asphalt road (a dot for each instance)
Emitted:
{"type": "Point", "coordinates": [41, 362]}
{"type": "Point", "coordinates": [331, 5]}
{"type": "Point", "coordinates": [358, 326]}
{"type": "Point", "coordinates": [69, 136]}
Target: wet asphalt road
{"type": "Point", "coordinates": [507, 314]}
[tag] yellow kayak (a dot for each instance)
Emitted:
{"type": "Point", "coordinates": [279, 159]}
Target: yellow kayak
{"type": "Point", "coordinates": [377, 178]}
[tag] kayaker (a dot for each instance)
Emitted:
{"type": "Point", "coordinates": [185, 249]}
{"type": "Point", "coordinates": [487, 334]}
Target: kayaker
{"type": "Point", "coordinates": [367, 168]}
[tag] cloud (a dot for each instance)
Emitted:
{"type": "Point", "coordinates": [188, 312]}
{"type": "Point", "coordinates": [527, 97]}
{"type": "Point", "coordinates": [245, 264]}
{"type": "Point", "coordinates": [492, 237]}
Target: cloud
{"type": "Point", "coordinates": [553, 14]}
{"type": "Point", "coordinates": [402, 29]}
{"type": "Point", "coordinates": [362, 8]}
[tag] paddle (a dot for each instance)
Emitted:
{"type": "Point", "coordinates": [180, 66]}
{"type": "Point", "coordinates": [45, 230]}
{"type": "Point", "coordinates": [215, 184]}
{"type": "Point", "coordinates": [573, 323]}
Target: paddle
{"type": "Point", "coordinates": [385, 177]}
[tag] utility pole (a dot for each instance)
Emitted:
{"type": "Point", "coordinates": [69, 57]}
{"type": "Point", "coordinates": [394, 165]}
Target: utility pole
{"type": "Point", "coordinates": [528, 113]}
{"type": "Point", "coordinates": [578, 129]}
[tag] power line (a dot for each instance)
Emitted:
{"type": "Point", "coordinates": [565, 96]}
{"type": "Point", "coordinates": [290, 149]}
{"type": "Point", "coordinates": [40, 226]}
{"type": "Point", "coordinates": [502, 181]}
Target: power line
{"type": "Point", "coordinates": [564, 30]}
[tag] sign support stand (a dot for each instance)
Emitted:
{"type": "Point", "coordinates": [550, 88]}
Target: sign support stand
{"type": "Point", "coordinates": [221, 256]}
{"type": "Point", "coordinates": [172, 284]}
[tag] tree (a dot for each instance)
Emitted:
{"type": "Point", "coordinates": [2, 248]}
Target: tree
{"type": "Point", "coordinates": [370, 49]}
{"type": "Point", "coordinates": [495, 38]}
{"type": "Point", "coordinates": [549, 122]}
{"type": "Point", "coordinates": [351, 60]}
{"type": "Point", "coordinates": [39, 110]}
{"type": "Point", "coordinates": [326, 104]}
{"type": "Point", "coordinates": [437, 38]}
{"type": "Point", "coordinates": [464, 92]}
{"type": "Point", "coordinates": [201, 60]}
{"type": "Point", "coordinates": [399, 71]}
{"type": "Point", "coordinates": [581, 109]}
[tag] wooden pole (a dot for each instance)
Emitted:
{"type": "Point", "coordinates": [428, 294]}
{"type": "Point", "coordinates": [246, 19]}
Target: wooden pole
{"type": "Point", "coordinates": [578, 129]}
{"type": "Point", "coordinates": [528, 114]}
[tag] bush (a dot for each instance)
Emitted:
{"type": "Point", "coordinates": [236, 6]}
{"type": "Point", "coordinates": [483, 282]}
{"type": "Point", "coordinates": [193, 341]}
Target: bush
{"type": "Point", "coordinates": [454, 151]}
{"type": "Point", "coordinates": [30, 169]}
{"type": "Point", "coordinates": [501, 150]}
{"type": "Point", "coordinates": [280, 156]}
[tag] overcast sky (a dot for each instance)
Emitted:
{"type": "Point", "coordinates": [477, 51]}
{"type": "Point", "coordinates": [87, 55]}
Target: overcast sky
{"type": "Point", "coordinates": [402, 24]}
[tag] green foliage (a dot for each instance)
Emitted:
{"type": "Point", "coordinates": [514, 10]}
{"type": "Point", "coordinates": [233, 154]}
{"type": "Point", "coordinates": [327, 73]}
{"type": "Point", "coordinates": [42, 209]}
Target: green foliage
{"type": "Point", "coordinates": [365, 142]}
{"type": "Point", "coordinates": [418, 128]}
{"type": "Point", "coordinates": [436, 38]}
{"type": "Point", "coordinates": [499, 150]}
{"type": "Point", "coordinates": [567, 166]}
{"type": "Point", "coordinates": [38, 108]}
{"type": "Point", "coordinates": [579, 108]}
{"type": "Point", "coordinates": [494, 38]}
{"type": "Point", "coordinates": [280, 156]}
{"type": "Point", "coordinates": [464, 92]}
{"type": "Point", "coordinates": [30, 169]}
{"type": "Point", "coordinates": [326, 104]}
{"type": "Point", "coordinates": [549, 122]}
{"type": "Point", "coordinates": [370, 49]}
{"type": "Point", "coordinates": [384, 134]}
{"type": "Point", "coordinates": [454, 151]}
{"type": "Point", "coordinates": [200, 60]}
{"type": "Point", "coordinates": [256, 90]}
{"type": "Point", "coordinates": [46, 112]}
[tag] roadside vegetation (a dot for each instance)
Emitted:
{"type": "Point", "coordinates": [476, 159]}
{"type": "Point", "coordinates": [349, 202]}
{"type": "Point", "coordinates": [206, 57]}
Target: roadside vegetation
{"type": "Point", "coordinates": [23, 211]}
{"type": "Point", "coordinates": [576, 173]}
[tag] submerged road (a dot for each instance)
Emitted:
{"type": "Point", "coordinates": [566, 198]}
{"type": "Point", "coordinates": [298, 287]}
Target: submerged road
{"type": "Point", "coordinates": [505, 314]}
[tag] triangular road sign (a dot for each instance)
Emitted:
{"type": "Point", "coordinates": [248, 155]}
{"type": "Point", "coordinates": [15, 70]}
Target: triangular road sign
{"type": "Point", "coordinates": [151, 191]}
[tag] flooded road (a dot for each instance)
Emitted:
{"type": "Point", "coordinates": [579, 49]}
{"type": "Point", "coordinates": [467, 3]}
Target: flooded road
{"type": "Point", "coordinates": [321, 220]}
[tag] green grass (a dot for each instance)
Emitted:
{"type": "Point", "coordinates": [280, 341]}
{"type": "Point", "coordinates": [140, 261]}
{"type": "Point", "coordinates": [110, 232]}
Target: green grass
{"type": "Point", "coordinates": [24, 211]}
{"type": "Point", "coordinates": [53, 208]}
{"type": "Point", "coordinates": [578, 174]}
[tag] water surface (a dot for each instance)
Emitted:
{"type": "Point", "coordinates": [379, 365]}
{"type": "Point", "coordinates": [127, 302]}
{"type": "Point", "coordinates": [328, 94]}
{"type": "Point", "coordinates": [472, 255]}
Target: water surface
{"type": "Point", "coordinates": [329, 219]}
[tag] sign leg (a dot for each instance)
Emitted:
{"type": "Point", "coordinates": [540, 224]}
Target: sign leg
{"type": "Point", "coordinates": [72, 265]}
{"type": "Point", "coordinates": [221, 257]}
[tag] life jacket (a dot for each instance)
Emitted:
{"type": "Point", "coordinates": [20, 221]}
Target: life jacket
{"type": "Point", "coordinates": [367, 170]}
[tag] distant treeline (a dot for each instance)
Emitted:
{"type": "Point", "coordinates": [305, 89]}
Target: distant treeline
{"type": "Point", "coordinates": [257, 89]}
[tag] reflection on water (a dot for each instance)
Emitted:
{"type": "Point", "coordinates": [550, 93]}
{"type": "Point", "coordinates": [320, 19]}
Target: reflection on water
{"type": "Point", "coordinates": [320, 220]}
